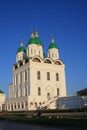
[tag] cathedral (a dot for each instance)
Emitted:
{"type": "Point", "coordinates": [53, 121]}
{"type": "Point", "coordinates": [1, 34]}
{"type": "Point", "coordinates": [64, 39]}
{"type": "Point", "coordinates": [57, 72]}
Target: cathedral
{"type": "Point", "coordinates": [37, 80]}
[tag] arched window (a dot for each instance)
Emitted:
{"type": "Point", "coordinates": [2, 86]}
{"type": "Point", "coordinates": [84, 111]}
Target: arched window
{"type": "Point", "coordinates": [40, 103]}
{"type": "Point", "coordinates": [20, 77]}
{"type": "Point", "coordinates": [26, 104]}
{"type": "Point", "coordinates": [48, 96]}
{"type": "Point", "coordinates": [39, 53]}
{"type": "Point", "coordinates": [34, 51]}
{"type": "Point", "coordinates": [38, 75]}
{"type": "Point", "coordinates": [31, 103]}
{"type": "Point", "coordinates": [58, 63]}
{"type": "Point", "coordinates": [11, 107]}
{"type": "Point", "coordinates": [31, 51]}
{"type": "Point", "coordinates": [16, 67]}
{"type": "Point", "coordinates": [18, 105]}
{"type": "Point", "coordinates": [26, 61]}
{"type": "Point", "coordinates": [21, 63]}
{"type": "Point", "coordinates": [56, 55]}
{"type": "Point", "coordinates": [57, 76]}
{"type": "Point", "coordinates": [15, 105]}
{"type": "Point", "coordinates": [35, 104]}
{"type": "Point", "coordinates": [36, 60]}
{"type": "Point", "coordinates": [47, 61]}
{"type": "Point", "coordinates": [57, 91]}
{"type": "Point", "coordinates": [39, 91]}
{"type": "Point", "coordinates": [22, 105]}
{"type": "Point", "coordinates": [52, 55]}
{"type": "Point", "coordinates": [25, 75]}
{"type": "Point", "coordinates": [25, 90]}
{"type": "Point", "coordinates": [48, 75]}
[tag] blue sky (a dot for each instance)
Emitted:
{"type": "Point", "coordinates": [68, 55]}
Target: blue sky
{"type": "Point", "coordinates": [66, 20]}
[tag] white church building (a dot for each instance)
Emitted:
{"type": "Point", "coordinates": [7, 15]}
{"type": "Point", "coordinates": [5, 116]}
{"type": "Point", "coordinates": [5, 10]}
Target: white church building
{"type": "Point", "coordinates": [38, 81]}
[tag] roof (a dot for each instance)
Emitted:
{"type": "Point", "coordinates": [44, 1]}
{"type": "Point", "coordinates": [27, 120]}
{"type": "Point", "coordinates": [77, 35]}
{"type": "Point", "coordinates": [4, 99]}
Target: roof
{"type": "Point", "coordinates": [52, 45]}
{"type": "Point", "coordinates": [21, 49]}
{"type": "Point", "coordinates": [82, 90]}
{"type": "Point", "coordinates": [1, 92]}
{"type": "Point", "coordinates": [35, 39]}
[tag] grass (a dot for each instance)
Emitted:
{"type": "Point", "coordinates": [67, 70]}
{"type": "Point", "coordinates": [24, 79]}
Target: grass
{"type": "Point", "coordinates": [47, 121]}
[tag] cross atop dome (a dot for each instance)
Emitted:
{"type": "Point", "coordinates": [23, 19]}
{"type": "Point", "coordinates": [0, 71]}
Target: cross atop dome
{"type": "Point", "coordinates": [52, 40]}
{"type": "Point", "coordinates": [32, 35]}
{"type": "Point", "coordinates": [36, 34]}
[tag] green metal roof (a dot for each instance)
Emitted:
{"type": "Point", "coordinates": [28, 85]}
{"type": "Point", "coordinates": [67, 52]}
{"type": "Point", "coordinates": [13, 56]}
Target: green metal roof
{"type": "Point", "coordinates": [35, 40]}
{"type": "Point", "coordinates": [21, 49]}
{"type": "Point", "coordinates": [1, 92]}
{"type": "Point", "coordinates": [52, 45]}
{"type": "Point", "coordinates": [31, 41]}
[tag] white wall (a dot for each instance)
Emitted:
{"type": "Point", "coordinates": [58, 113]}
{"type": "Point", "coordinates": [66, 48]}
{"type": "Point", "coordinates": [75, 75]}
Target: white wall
{"type": "Point", "coordinates": [2, 101]}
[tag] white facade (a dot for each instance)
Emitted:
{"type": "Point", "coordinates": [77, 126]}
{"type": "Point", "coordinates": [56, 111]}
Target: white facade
{"type": "Point", "coordinates": [36, 79]}
{"type": "Point", "coordinates": [2, 101]}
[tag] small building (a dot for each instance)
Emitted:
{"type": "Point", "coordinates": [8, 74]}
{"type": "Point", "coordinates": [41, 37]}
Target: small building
{"type": "Point", "coordinates": [82, 92]}
{"type": "Point", "coordinates": [2, 100]}
{"type": "Point", "coordinates": [72, 102]}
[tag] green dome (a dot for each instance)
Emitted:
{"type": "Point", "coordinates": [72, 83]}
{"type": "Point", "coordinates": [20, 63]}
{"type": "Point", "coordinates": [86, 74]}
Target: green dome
{"type": "Point", "coordinates": [35, 40]}
{"type": "Point", "coordinates": [1, 91]}
{"type": "Point", "coordinates": [52, 45]}
{"type": "Point", "coordinates": [21, 49]}
{"type": "Point", "coordinates": [31, 41]}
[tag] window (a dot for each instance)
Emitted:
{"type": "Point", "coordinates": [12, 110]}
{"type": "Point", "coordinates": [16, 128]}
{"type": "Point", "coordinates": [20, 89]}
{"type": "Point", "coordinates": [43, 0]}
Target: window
{"type": "Point", "coordinates": [16, 67]}
{"type": "Point", "coordinates": [18, 105]}
{"type": "Point", "coordinates": [25, 75]}
{"type": "Point", "coordinates": [20, 77]}
{"type": "Point", "coordinates": [16, 79]}
{"type": "Point", "coordinates": [21, 92]}
{"type": "Point", "coordinates": [48, 75]}
{"type": "Point", "coordinates": [16, 93]}
{"type": "Point", "coordinates": [34, 51]}
{"type": "Point", "coordinates": [57, 91]}
{"type": "Point", "coordinates": [38, 75]}
{"type": "Point", "coordinates": [26, 61]}
{"type": "Point", "coordinates": [31, 51]}
{"type": "Point", "coordinates": [35, 104]}
{"type": "Point", "coordinates": [25, 91]}
{"type": "Point", "coordinates": [22, 105]}
{"type": "Point", "coordinates": [21, 63]}
{"type": "Point", "coordinates": [8, 106]}
{"type": "Point", "coordinates": [47, 61]}
{"type": "Point", "coordinates": [56, 55]}
{"type": "Point", "coordinates": [40, 103]}
{"type": "Point", "coordinates": [52, 55]}
{"type": "Point", "coordinates": [48, 96]}
{"type": "Point", "coordinates": [39, 53]}
{"type": "Point", "coordinates": [39, 91]}
{"type": "Point", "coordinates": [36, 60]}
{"type": "Point", "coordinates": [15, 105]}
{"type": "Point", "coordinates": [57, 76]}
